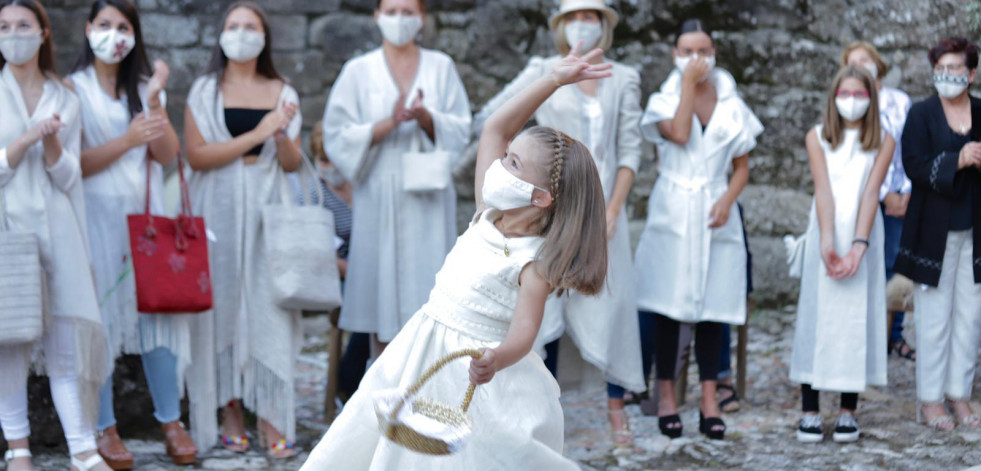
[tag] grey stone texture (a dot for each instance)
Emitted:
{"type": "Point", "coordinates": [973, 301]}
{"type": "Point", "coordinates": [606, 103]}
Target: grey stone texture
{"type": "Point", "coordinates": [783, 53]}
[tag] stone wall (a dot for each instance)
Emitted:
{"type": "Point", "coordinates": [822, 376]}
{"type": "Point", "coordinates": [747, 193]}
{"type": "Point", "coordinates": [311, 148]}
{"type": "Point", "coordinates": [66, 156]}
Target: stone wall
{"type": "Point", "coordinates": [782, 52]}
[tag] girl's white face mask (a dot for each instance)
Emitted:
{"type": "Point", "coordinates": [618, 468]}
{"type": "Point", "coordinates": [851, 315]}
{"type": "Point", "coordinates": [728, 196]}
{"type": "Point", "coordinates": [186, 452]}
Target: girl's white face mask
{"type": "Point", "coordinates": [588, 33]}
{"type": "Point", "coordinates": [503, 191]}
{"type": "Point", "coordinates": [852, 108]}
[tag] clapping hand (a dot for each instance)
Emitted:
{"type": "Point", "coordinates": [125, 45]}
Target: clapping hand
{"type": "Point", "coordinates": [277, 120]}
{"type": "Point", "coordinates": [157, 83]}
{"type": "Point", "coordinates": [576, 67]}
{"type": "Point", "coordinates": [970, 155]}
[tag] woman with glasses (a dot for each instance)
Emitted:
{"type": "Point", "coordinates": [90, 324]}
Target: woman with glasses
{"type": "Point", "coordinates": [941, 244]}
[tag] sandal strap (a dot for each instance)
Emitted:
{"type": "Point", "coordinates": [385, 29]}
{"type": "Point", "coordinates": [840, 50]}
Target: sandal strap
{"type": "Point", "coordinates": [235, 439]}
{"type": "Point", "coordinates": [281, 445]}
{"type": "Point", "coordinates": [940, 420]}
{"type": "Point", "coordinates": [14, 453]}
{"type": "Point", "coordinates": [88, 464]}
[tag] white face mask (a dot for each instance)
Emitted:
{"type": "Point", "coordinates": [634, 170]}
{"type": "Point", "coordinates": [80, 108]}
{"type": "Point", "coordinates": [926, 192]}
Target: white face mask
{"type": "Point", "coordinates": [241, 45]}
{"type": "Point", "coordinates": [111, 46]}
{"type": "Point", "coordinates": [18, 49]}
{"type": "Point", "coordinates": [872, 69]}
{"type": "Point", "coordinates": [588, 33]}
{"type": "Point", "coordinates": [950, 86]}
{"type": "Point", "coordinates": [681, 63]}
{"type": "Point", "coordinates": [851, 108]}
{"type": "Point", "coordinates": [502, 190]}
{"type": "Point", "coordinates": [398, 29]}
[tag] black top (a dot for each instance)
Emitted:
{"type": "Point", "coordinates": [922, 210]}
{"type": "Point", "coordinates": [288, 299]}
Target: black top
{"type": "Point", "coordinates": [944, 198]}
{"type": "Point", "coordinates": [242, 120]}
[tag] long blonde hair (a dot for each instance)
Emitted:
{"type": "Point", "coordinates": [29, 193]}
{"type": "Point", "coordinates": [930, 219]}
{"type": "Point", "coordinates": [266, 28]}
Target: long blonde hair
{"type": "Point", "coordinates": [833, 127]}
{"type": "Point", "coordinates": [574, 225]}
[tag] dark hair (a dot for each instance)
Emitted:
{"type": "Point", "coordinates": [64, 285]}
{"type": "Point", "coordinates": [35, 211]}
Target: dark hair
{"type": "Point", "coordinates": [264, 63]}
{"type": "Point", "coordinates": [135, 68]}
{"type": "Point", "coordinates": [46, 53]}
{"type": "Point", "coordinates": [574, 225]}
{"type": "Point", "coordinates": [955, 45]}
{"type": "Point", "coordinates": [692, 25]}
{"type": "Point", "coordinates": [422, 5]}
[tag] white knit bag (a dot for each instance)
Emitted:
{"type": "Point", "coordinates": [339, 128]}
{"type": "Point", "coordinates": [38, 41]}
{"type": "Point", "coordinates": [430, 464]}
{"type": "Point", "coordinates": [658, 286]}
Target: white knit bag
{"type": "Point", "coordinates": [21, 287]}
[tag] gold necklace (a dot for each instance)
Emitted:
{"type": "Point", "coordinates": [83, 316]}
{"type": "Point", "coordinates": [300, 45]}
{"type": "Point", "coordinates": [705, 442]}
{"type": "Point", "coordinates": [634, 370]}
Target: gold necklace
{"type": "Point", "coordinates": [507, 252]}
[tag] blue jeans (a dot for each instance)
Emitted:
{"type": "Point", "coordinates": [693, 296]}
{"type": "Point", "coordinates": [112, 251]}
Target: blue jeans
{"type": "Point", "coordinates": [892, 230]}
{"type": "Point", "coordinates": [160, 369]}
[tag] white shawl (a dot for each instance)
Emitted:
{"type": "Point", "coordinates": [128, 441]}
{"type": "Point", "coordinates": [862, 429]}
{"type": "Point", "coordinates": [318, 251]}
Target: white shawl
{"type": "Point", "coordinates": [111, 195]}
{"type": "Point", "coordinates": [49, 202]}
{"type": "Point", "coordinates": [249, 341]}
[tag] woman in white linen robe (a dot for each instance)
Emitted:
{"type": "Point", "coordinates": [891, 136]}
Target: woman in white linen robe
{"type": "Point", "coordinates": [41, 190]}
{"type": "Point", "coordinates": [691, 258]}
{"type": "Point", "coordinates": [399, 238]}
{"type": "Point", "coordinates": [606, 118]}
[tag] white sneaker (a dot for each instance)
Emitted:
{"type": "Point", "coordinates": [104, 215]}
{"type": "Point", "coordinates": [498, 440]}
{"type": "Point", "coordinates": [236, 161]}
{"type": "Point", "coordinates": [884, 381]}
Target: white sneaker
{"type": "Point", "coordinates": [810, 429]}
{"type": "Point", "coordinates": [846, 429]}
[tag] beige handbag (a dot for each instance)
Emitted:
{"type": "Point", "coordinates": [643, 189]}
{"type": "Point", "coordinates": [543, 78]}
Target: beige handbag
{"type": "Point", "coordinates": [21, 284]}
{"type": "Point", "coordinates": [299, 246]}
{"type": "Point", "coordinates": [425, 170]}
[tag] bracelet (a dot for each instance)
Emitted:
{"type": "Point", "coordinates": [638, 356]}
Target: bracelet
{"type": "Point", "coordinates": [861, 241]}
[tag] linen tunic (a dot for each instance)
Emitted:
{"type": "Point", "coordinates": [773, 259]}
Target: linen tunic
{"type": "Point", "coordinates": [111, 195]}
{"type": "Point", "coordinates": [517, 418]}
{"type": "Point", "coordinates": [604, 327]}
{"type": "Point", "coordinates": [840, 332]}
{"type": "Point", "coordinates": [685, 270]}
{"type": "Point", "coordinates": [48, 202]}
{"type": "Point", "coordinates": [399, 239]}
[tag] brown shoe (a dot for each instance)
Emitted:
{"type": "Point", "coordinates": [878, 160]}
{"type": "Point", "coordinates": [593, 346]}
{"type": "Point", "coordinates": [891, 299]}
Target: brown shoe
{"type": "Point", "coordinates": [112, 450]}
{"type": "Point", "coordinates": [180, 448]}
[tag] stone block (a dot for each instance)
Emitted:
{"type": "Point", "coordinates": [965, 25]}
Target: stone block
{"type": "Point", "coordinates": [289, 31]}
{"type": "Point", "coordinates": [772, 286]}
{"type": "Point", "coordinates": [774, 211]}
{"type": "Point", "coordinates": [342, 36]}
{"type": "Point", "coordinates": [307, 71]}
{"type": "Point", "coordinates": [164, 30]}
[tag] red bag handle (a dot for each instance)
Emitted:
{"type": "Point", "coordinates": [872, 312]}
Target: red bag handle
{"type": "Point", "coordinates": [184, 223]}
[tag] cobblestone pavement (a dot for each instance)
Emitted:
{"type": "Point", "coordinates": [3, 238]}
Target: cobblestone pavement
{"type": "Point", "coordinates": [760, 437]}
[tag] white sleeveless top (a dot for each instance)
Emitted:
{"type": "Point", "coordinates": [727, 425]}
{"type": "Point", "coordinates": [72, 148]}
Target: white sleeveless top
{"type": "Point", "coordinates": [476, 291]}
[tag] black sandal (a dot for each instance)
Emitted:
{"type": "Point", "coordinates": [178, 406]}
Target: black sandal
{"type": "Point", "coordinates": [733, 398]}
{"type": "Point", "coordinates": [707, 426]}
{"type": "Point", "coordinates": [898, 347]}
{"type": "Point", "coordinates": [670, 425]}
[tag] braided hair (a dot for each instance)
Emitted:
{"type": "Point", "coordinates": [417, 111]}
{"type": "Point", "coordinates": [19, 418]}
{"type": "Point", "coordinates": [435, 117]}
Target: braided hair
{"type": "Point", "coordinates": [574, 225]}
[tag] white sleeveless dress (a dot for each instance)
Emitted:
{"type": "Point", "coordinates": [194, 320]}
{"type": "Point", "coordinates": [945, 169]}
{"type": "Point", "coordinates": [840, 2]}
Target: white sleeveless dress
{"type": "Point", "coordinates": [517, 418]}
{"type": "Point", "coordinates": [840, 333]}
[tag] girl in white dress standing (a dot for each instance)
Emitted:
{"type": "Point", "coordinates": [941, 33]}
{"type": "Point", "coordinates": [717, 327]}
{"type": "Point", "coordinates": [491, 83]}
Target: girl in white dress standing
{"type": "Point", "coordinates": [840, 333]}
{"type": "Point", "coordinates": [545, 231]}
{"type": "Point", "coordinates": [396, 99]}
{"type": "Point", "coordinates": [41, 192]}
{"type": "Point", "coordinates": [113, 83]}
{"type": "Point", "coordinates": [604, 115]}
{"type": "Point", "coordinates": [691, 259]}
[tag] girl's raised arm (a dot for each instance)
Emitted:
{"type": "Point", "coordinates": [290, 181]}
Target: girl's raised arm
{"type": "Point", "coordinates": [508, 120]}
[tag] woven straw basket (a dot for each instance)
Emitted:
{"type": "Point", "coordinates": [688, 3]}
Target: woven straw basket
{"type": "Point", "coordinates": [447, 427]}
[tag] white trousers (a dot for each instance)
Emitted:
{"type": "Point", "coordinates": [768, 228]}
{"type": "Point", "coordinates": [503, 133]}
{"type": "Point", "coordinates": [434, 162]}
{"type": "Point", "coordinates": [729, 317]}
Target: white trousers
{"type": "Point", "coordinates": [948, 326]}
{"type": "Point", "coordinates": [59, 348]}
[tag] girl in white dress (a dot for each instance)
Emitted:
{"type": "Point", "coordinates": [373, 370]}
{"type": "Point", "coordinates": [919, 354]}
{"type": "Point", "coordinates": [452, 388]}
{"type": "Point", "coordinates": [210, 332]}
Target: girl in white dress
{"type": "Point", "coordinates": [41, 191]}
{"type": "Point", "coordinates": [840, 333]}
{"type": "Point", "coordinates": [545, 231]}
{"type": "Point", "coordinates": [113, 83]}
{"type": "Point", "coordinates": [604, 115]}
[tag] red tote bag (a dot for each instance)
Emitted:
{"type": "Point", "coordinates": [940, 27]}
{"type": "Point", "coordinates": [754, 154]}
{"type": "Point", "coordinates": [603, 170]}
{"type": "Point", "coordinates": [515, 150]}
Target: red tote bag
{"type": "Point", "coordinates": [170, 257]}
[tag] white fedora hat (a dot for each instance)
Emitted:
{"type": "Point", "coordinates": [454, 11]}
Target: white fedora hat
{"type": "Point", "coordinates": [578, 5]}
